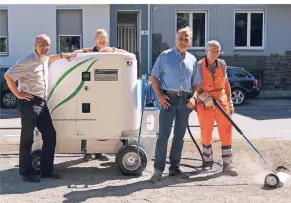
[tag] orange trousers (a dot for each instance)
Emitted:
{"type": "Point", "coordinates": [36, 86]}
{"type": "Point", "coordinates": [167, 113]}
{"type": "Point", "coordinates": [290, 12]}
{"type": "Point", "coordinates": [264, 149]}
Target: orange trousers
{"type": "Point", "coordinates": [206, 121]}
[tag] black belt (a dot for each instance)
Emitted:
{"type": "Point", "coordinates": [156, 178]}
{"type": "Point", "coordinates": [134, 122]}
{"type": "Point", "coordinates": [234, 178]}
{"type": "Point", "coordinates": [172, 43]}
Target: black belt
{"type": "Point", "coordinates": [37, 98]}
{"type": "Point", "coordinates": [178, 93]}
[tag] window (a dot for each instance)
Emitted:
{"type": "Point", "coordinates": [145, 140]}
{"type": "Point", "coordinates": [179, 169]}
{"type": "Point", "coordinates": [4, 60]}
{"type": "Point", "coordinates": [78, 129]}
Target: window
{"type": "Point", "coordinates": [69, 29]}
{"type": "Point", "coordinates": [249, 29]}
{"type": "Point", "coordinates": [3, 32]}
{"type": "Point", "coordinates": [197, 20]}
{"type": "Point", "coordinates": [236, 73]}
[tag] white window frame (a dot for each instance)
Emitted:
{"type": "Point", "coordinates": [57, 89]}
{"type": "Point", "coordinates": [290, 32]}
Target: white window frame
{"type": "Point", "coordinates": [249, 47]}
{"type": "Point", "coordinates": [191, 24]}
{"type": "Point", "coordinates": [59, 40]}
{"type": "Point", "coordinates": [5, 53]}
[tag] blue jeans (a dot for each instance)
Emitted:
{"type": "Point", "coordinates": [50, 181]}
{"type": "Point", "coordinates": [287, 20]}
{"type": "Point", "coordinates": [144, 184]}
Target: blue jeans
{"type": "Point", "coordinates": [180, 112]}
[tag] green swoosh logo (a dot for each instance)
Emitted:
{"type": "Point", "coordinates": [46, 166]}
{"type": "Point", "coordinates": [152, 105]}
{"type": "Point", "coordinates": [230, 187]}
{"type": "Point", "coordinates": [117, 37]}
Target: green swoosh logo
{"type": "Point", "coordinates": [65, 75]}
{"type": "Point", "coordinates": [76, 91]}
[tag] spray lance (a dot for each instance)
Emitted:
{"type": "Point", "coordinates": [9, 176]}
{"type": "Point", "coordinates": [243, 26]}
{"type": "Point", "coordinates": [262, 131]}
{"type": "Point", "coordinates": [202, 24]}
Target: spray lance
{"type": "Point", "coordinates": [272, 180]}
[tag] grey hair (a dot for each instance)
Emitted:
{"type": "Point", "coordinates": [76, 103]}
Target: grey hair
{"type": "Point", "coordinates": [213, 43]}
{"type": "Point", "coordinates": [186, 29]}
{"type": "Point", "coordinates": [103, 31]}
{"type": "Point", "coordinates": [42, 36]}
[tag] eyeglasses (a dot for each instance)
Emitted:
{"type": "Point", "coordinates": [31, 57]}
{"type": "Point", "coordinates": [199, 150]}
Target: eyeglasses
{"type": "Point", "coordinates": [181, 39]}
{"type": "Point", "coordinates": [43, 44]}
{"type": "Point", "coordinates": [101, 37]}
{"type": "Point", "coordinates": [213, 51]}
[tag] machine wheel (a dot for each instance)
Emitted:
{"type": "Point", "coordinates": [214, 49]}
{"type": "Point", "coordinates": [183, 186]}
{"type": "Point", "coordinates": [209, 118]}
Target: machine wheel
{"type": "Point", "coordinates": [128, 162]}
{"type": "Point", "coordinates": [35, 161]}
{"type": "Point", "coordinates": [272, 181]}
{"type": "Point", "coordinates": [238, 96]}
{"type": "Point", "coordinates": [282, 169]}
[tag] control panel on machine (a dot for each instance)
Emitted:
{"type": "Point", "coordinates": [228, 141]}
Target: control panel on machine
{"type": "Point", "coordinates": [86, 76]}
{"type": "Point", "coordinates": [106, 75]}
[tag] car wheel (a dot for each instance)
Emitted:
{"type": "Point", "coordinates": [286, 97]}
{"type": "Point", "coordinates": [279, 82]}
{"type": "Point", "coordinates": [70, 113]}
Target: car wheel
{"type": "Point", "coordinates": [8, 99]}
{"type": "Point", "coordinates": [238, 97]}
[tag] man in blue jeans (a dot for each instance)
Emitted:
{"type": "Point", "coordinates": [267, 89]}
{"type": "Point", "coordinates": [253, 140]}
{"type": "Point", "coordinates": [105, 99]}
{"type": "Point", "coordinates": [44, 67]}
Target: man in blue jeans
{"type": "Point", "coordinates": [174, 78]}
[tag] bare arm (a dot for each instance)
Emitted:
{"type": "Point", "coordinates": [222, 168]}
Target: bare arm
{"type": "Point", "coordinates": [67, 56]}
{"type": "Point", "coordinates": [54, 57]}
{"type": "Point", "coordinates": [20, 69]}
{"type": "Point", "coordinates": [113, 49]}
{"type": "Point", "coordinates": [84, 50]}
{"type": "Point", "coordinates": [227, 87]}
{"type": "Point", "coordinates": [12, 85]}
{"type": "Point", "coordinates": [228, 91]}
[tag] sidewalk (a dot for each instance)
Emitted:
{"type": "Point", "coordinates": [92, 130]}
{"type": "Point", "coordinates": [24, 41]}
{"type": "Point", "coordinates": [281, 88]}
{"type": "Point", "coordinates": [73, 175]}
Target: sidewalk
{"type": "Point", "coordinates": [274, 94]}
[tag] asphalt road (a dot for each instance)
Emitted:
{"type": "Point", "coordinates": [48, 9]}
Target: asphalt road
{"type": "Point", "coordinates": [257, 119]}
{"type": "Point", "coordinates": [97, 181]}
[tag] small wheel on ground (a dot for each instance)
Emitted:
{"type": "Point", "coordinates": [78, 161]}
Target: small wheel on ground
{"type": "Point", "coordinates": [271, 181]}
{"type": "Point", "coordinates": [35, 161]}
{"type": "Point", "coordinates": [238, 96]}
{"type": "Point", "coordinates": [128, 162]}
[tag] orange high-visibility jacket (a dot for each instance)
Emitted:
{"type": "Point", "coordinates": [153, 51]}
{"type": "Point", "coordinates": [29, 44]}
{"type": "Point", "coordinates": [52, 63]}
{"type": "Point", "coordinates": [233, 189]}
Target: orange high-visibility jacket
{"type": "Point", "coordinates": [214, 86]}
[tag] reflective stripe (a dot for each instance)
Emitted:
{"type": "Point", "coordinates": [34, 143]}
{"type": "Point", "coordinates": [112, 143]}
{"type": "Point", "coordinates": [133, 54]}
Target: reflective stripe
{"type": "Point", "coordinates": [226, 154]}
{"type": "Point", "coordinates": [207, 153]}
{"type": "Point", "coordinates": [226, 151]}
{"type": "Point", "coordinates": [208, 159]}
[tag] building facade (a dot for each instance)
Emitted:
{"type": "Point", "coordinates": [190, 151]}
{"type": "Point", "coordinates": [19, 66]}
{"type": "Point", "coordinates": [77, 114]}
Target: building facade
{"type": "Point", "coordinates": [256, 37]}
{"type": "Point", "coordinates": [71, 27]}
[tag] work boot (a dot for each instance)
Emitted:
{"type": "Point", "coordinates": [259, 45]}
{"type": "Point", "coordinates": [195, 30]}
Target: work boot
{"type": "Point", "coordinates": [179, 174]}
{"type": "Point", "coordinates": [229, 169]}
{"type": "Point", "coordinates": [208, 164]}
{"type": "Point", "coordinates": [156, 177]}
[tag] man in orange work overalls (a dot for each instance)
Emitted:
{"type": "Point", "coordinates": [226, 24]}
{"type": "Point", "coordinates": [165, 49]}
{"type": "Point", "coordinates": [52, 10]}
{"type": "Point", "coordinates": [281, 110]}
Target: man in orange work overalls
{"type": "Point", "coordinates": [215, 84]}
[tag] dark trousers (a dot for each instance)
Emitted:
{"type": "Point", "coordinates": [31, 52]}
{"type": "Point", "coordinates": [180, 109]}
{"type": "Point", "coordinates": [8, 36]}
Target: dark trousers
{"type": "Point", "coordinates": [35, 113]}
{"type": "Point", "coordinates": [179, 112]}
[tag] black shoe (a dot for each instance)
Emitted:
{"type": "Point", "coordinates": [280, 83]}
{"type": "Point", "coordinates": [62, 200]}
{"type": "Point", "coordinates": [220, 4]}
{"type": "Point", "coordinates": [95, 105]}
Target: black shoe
{"type": "Point", "coordinates": [155, 178]}
{"type": "Point", "coordinates": [87, 157]}
{"type": "Point", "coordinates": [208, 164]}
{"type": "Point", "coordinates": [51, 175]}
{"type": "Point", "coordinates": [101, 157]}
{"type": "Point", "coordinates": [179, 174]}
{"type": "Point", "coordinates": [229, 169]}
{"type": "Point", "coordinates": [31, 178]}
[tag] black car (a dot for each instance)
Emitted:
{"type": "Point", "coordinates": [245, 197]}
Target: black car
{"type": "Point", "coordinates": [8, 100]}
{"type": "Point", "coordinates": [243, 85]}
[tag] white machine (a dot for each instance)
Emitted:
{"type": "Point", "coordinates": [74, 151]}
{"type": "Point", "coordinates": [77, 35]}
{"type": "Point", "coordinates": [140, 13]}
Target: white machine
{"type": "Point", "coordinates": [96, 103]}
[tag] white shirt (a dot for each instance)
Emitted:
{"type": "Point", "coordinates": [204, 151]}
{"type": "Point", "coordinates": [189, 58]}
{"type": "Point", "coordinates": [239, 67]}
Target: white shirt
{"type": "Point", "coordinates": [31, 74]}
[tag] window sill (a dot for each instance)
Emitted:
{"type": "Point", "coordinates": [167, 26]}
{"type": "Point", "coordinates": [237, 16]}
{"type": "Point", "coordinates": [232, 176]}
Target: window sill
{"type": "Point", "coordinates": [249, 49]}
{"type": "Point", "coordinates": [4, 54]}
{"type": "Point", "coordinates": [197, 48]}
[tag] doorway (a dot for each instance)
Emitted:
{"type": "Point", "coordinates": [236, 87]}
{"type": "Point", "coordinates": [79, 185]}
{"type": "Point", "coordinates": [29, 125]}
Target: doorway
{"type": "Point", "coordinates": [128, 32]}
